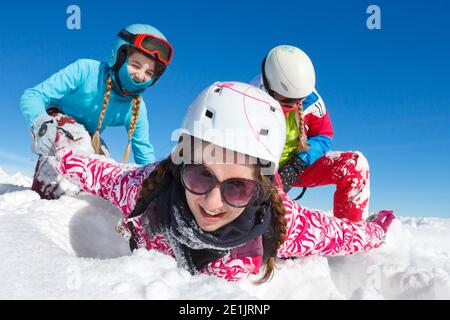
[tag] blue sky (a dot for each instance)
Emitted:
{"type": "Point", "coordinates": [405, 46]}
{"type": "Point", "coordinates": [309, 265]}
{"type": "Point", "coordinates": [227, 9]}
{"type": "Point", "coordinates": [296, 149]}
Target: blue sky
{"type": "Point", "coordinates": [387, 91]}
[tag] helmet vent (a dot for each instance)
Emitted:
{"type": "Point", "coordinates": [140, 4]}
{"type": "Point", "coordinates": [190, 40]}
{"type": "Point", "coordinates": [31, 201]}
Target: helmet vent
{"type": "Point", "coordinates": [264, 132]}
{"type": "Point", "coordinates": [217, 90]}
{"type": "Point", "coordinates": [285, 87]}
{"type": "Point", "coordinates": [209, 114]}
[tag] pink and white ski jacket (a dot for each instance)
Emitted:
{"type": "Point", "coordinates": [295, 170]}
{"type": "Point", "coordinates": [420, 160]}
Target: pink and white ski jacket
{"type": "Point", "coordinates": [309, 232]}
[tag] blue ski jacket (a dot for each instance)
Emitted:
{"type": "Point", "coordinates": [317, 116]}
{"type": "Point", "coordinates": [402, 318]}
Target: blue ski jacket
{"type": "Point", "coordinates": [78, 90]}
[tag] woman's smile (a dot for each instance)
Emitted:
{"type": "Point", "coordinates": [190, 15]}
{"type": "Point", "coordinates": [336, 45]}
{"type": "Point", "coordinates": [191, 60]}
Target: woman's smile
{"type": "Point", "coordinates": [214, 215]}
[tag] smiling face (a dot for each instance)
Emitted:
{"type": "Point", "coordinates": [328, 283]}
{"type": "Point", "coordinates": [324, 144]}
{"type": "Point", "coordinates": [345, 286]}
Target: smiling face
{"type": "Point", "coordinates": [140, 67]}
{"type": "Point", "coordinates": [209, 210]}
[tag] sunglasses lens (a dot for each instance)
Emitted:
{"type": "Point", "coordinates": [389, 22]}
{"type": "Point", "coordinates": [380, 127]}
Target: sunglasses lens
{"type": "Point", "coordinates": [163, 49]}
{"type": "Point", "coordinates": [197, 179]}
{"type": "Point", "coordinates": [239, 192]}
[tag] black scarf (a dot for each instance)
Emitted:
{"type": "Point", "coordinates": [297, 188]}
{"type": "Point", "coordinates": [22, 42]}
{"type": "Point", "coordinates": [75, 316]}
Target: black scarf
{"type": "Point", "coordinates": [193, 247]}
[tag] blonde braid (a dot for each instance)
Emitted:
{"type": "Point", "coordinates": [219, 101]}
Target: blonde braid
{"type": "Point", "coordinates": [96, 137]}
{"type": "Point", "coordinates": [301, 144]}
{"type": "Point", "coordinates": [280, 226]}
{"type": "Point", "coordinates": [134, 116]}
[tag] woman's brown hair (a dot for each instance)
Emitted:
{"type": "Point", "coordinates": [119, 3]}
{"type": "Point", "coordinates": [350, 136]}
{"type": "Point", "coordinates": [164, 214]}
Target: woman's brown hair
{"type": "Point", "coordinates": [279, 226]}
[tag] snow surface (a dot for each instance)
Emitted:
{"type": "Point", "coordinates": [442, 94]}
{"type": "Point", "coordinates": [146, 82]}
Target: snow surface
{"type": "Point", "coordinates": [68, 249]}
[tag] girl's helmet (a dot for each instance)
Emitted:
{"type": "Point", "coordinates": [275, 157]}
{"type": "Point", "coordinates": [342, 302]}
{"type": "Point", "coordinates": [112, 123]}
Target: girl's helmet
{"type": "Point", "coordinates": [239, 117]}
{"type": "Point", "coordinates": [148, 40]}
{"type": "Point", "coordinates": [288, 71]}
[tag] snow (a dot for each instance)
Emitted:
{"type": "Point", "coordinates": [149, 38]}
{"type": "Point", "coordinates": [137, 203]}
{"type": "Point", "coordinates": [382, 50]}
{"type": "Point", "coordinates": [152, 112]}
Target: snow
{"type": "Point", "coordinates": [13, 182]}
{"type": "Point", "coordinates": [68, 249]}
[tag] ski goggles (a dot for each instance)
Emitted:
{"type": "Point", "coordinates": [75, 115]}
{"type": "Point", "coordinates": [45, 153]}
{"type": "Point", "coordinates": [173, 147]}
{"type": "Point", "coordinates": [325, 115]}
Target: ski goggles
{"type": "Point", "coordinates": [284, 100]}
{"type": "Point", "coordinates": [237, 192]}
{"type": "Point", "coordinates": [149, 44]}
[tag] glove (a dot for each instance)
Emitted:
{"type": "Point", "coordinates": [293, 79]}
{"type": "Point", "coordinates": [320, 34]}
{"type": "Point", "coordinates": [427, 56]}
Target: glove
{"type": "Point", "coordinates": [44, 134]}
{"type": "Point", "coordinates": [383, 218]}
{"type": "Point", "coordinates": [290, 171]}
{"type": "Point", "coordinates": [73, 136]}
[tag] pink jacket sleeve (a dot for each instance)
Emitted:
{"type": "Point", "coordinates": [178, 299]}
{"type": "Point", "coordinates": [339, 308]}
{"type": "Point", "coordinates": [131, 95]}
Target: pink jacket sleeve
{"type": "Point", "coordinates": [232, 268]}
{"type": "Point", "coordinates": [311, 232]}
{"type": "Point", "coordinates": [117, 183]}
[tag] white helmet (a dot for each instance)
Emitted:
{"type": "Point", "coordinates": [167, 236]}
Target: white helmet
{"type": "Point", "coordinates": [288, 71]}
{"type": "Point", "coordinates": [238, 117]}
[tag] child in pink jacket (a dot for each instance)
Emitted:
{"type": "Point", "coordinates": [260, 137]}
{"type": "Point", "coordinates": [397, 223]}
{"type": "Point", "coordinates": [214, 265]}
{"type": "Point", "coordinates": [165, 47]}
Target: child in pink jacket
{"type": "Point", "coordinates": [225, 219]}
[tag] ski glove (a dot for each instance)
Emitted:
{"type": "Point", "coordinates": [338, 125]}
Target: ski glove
{"type": "Point", "coordinates": [383, 218]}
{"type": "Point", "coordinates": [290, 171]}
{"type": "Point", "coordinates": [43, 130]}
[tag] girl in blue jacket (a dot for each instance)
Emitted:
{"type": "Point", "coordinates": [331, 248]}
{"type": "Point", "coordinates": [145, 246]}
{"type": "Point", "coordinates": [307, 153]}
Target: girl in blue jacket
{"type": "Point", "coordinates": [98, 95]}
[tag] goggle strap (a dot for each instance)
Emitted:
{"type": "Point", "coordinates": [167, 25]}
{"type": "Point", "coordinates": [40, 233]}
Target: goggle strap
{"type": "Point", "coordinates": [263, 75]}
{"type": "Point", "coordinates": [127, 36]}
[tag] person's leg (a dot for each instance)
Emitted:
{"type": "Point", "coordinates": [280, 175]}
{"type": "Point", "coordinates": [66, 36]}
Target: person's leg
{"type": "Point", "coordinates": [349, 171]}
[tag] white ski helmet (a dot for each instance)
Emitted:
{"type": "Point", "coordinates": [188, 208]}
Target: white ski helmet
{"type": "Point", "coordinates": [288, 71]}
{"type": "Point", "coordinates": [239, 117]}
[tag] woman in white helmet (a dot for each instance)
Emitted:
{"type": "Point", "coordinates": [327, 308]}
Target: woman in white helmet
{"type": "Point", "coordinates": [212, 204]}
{"type": "Point", "coordinates": [288, 76]}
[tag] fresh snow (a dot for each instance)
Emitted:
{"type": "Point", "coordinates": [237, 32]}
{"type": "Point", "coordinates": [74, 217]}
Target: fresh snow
{"type": "Point", "coordinates": [68, 249]}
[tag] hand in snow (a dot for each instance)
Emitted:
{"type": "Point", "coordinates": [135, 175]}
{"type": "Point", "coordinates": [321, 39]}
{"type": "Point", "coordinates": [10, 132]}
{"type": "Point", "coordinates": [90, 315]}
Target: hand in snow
{"type": "Point", "coordinates": [290, 171]}
{"type": "Point", "coordinates": [383, 218]}
{"type": "Point", "coordinates": [43, 129]}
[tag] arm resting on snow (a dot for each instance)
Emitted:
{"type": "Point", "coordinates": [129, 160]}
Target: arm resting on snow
{"type": "Point", "coordinates": [311, 232]}
{"type": "Point", "coordinates": [117, 183]}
